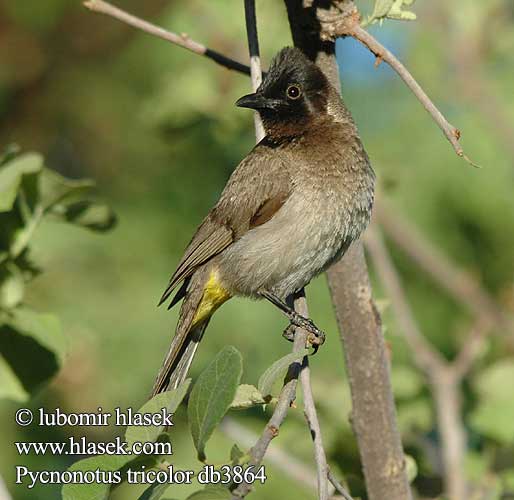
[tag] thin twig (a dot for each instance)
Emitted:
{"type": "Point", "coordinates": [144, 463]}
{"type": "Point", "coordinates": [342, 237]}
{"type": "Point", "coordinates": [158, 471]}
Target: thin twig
{"type": "Point", "coordinates": [471, 350]}
{"type": "Point", "coordinates": [426, 357]}
{"type": "Point", "coordinates": [282, 460]}
{"type": "Point", "coordinates": [255, 60]}
{"type": "Point", "coordinates": [310, 411]}
{"type": "Point", "coordinates": [451, 132]}
{"type": "Point", "coordinates": [445, 388]}
{"type": "Point", "coordinates": [338, 486]}
{"type": "Point", "coordinates": [181, 40]}
{"type": "Point", "coordinates": [285, 399]}
{"type": "Point", "coordinates": [459, 283]}
{"type": "Point", "coordinates": [347, 23]}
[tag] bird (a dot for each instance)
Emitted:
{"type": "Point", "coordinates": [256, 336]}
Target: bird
{"type": "Point", "coordinates": [290, 209]}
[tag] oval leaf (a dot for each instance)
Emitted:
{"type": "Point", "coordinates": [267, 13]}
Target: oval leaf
{"type": "Point", "coordinates": [276, 370]}
{"type": "Point", "coordinates": [11, 175]}
{"type": "Point", "coordinates": [10, 385]}
{"type": "Point", "coordinates": [94, 491]}
{"type": "Point", "coordinates": [85, 213]}
{"type": "Point", "coordinates": [212, 396]}
{"type": "Point", "coordinates": [55, 188]}
{"type": "Point", "coordinates": [246, 397]}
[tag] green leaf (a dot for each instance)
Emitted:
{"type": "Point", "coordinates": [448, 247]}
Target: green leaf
{"type": "Point", "coordinates": [10, 385]}
{"type": "Point", "coordinates": [212, 396]}
{"type": "Point", "coordinates": [214, 492]}
{"type": "Point", "coordinates": [10, 152]}
{"type": "Point", "coordinates": [169, 400]}
{"type": "Point", "coordinates": [12, 286]}
{"type": "Point", "coordinates": [382, 8]}
{"type": "Point", "coordinates": [43, 328]}
{"type": "Point", "coordinates": [398, 13]}
{"type": "Point", "coordinates": [246, 397]}
{"type": "Point", "coordinates": [490, 383]}
{"type": "Point", "coordinates": [154, 492]}
{"type": "Point", "coordinates": [494, 413]}
{"type": "Point", "coordinates": [94, 491]}
{"type": "Point", "coordinates": [11, 175]}
{"type": "Point", "coordinates": [495, 419]}
{"type": "Point", "coordinates": [276, 370]}
{"type": "Point", "coordinates": [390, 9]}
{"type": "Point", "coordinates": [33, 346]}
{"type": "Point", "coordinates": [95, 216]}
{"type": "Point", "coordinates": [411, 468]}
{"type": "Point", "coordinates": [55, 188]}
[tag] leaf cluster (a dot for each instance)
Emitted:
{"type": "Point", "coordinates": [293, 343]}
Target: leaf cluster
{"type": "Point", "coordinates": [32, 345]}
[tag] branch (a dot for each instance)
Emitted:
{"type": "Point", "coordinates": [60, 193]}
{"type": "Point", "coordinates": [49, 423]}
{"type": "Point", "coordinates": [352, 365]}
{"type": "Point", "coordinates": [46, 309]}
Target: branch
{"type": "Point", "coordinates": [459, 283]}
{"type": "Point", "coordinates": [452, 433]}
{"type": "Point", "coordinates": [346, 22]}
{"type": "Point", "coordinates": [255, 60]}
{"type": "Point", "coordinates": [285, 399]}
{"type": "Point", "coordinates": [311, 414]}
{"type": "Point", "coordinates": [281, 459]}
{"type": "Point", "coordinates": [181, 40]}
{"type": "Point", "coordinates": [373, 411]}
{"type": "Point", "coordinates": [338, 486]}
{"type": "Point", "coordinates": [426, 356]}
{"type": "Point", "coordinates": [443, 378]}
{"type": "Point", "coordinates": [471, 350]}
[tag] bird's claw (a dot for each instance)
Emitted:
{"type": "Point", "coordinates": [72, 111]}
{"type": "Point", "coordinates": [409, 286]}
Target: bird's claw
{"type": "Point", "coordinates": [315, 338]}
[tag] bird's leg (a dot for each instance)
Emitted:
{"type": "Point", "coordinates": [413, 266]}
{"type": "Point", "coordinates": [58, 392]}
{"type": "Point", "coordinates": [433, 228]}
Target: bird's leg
{"type": "Point", "coordinates": [316, 337]}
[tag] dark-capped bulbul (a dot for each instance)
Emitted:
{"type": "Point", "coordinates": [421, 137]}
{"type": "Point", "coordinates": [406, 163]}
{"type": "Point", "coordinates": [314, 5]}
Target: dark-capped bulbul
{"type": "Point", "coordinates": [290, 209]}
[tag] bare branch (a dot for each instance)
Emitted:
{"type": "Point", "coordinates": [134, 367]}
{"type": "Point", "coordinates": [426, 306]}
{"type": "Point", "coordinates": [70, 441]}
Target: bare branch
{"type": "Point", "coordinates": [285, 399]}
{"type": "Point", "coordinates": [281, 459]}
{"type": "Point", "coordinates": [346, 22]}
{"type": "Point", "coordinates": [451, 132]}
{"type": "Point", "coordinates": [471, 350]}
{"type": "Point", "coordinates": [311, 414]}
{"type": "Point", "coordinates": [255, 60]}
{"type": "Point", "coordinates": [443, 378]}
{"type": "Point", "coordinates": [181, 40]}
{"type": "Point", "coordinates": [338, 486]}
{"type": "Point", "coordinates": [459, 283]}
{"type": "Point", "coordinates": [445, 389]}
{"type": "Point", "coordinates": [426, 356]}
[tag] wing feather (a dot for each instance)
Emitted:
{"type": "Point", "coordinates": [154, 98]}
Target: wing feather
{"type": "Point", "coordinates": [251, 198]}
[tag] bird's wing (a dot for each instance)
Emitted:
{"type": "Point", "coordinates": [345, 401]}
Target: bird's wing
{"type": "Point", "coordinates": [256, 190]}
{"type": "Point", "coordinates": [209, 240]}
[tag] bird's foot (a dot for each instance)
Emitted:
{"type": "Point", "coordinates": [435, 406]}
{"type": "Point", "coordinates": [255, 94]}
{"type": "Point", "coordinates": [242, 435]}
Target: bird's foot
{"type": "Point", "coordinates": [316, 336]}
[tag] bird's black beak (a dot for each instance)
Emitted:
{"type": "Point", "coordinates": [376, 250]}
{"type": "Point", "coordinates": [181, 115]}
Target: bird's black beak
{"type": "Point", "coordinates": [254, 101]}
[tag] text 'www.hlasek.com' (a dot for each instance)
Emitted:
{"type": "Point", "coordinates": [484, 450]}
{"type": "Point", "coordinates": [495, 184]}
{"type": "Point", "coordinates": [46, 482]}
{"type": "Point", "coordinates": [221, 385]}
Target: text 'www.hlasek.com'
{"type": "Point", "coordinates": [162, 472]}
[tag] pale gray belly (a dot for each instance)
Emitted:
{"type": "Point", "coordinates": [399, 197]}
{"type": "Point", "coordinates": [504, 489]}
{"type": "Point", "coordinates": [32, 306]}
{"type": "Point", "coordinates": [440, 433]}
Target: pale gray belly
{"type": "Point", "coordinates": [302, 239]}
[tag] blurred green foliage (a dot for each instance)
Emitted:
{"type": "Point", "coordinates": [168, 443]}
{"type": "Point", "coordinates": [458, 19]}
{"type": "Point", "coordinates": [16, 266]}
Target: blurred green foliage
{"type": "Point", "coordinates": [156, 128]}
{"type": "Point", "coordinates": [32, 345]}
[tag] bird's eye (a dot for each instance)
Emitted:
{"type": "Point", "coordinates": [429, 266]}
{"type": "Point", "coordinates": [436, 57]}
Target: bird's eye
{"type": "Point", "coordinates": [294, 91]}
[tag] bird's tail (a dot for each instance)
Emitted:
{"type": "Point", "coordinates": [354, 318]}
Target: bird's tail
{"type": "Point", "coordinates": [203, 296]}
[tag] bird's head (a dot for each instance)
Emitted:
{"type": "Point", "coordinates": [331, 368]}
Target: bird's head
{"type": "Point", "coordinates": [293, 93]}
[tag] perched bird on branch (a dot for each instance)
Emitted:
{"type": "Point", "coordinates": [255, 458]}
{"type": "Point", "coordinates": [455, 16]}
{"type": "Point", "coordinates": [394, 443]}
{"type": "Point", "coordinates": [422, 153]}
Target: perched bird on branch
{"type": "Point", "coordinates": [290, 209]}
